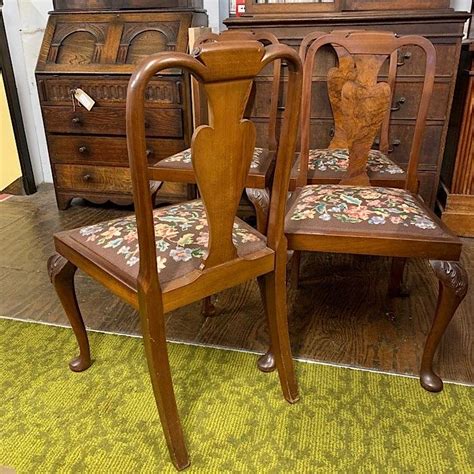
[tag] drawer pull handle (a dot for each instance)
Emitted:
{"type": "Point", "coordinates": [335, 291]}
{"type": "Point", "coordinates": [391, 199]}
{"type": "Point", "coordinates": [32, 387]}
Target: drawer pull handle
{"type": "Point", "coordinates": [398, 104]}
{"type": "Point", "coordinates": [332, 132]}
{"type": "Point", "coordinates": [82, 149]}
{"type": "Point", "coordinates": [281, 107]}
{"type": "Point", "coordinates": [149, 152]}
{"type": "Point", "coordinates": [395, 143]}
{"type": "Point", "coordinates": [403, 58]}
{"type": "Point", "coordinates": [76, 120]}
{"type": "Point", "coordinates": [87, 178]}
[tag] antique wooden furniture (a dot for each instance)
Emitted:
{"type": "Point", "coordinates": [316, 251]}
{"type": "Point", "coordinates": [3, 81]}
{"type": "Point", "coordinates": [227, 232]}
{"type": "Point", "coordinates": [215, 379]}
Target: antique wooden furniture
{"type": "Point", "coordinates": [331, 165]}
{"type": "Point", "coordinates": [359, 219]}
{"type": "Point", "coordinates": [456, 195]}
{"type": "Point", "coordinates": [432, 19]}
{"type": "Point", "coordinates": [97, 52]}
{"type": "Point", "coordinates": [178, 167]}
{"type": "Point", "coordinates": [167, 258]}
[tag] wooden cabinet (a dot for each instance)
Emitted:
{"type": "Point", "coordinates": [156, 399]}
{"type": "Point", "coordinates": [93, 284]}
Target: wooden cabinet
{"type": "Point", "coordinates": [441, 26]}
{"type": "Point", "coordinates": [97, 52]}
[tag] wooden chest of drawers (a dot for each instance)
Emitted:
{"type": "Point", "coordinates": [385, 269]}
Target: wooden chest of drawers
{"type": "Point", "coordinates": [443, 27]}
{"type": "Point", "coordinates": [97, 52]}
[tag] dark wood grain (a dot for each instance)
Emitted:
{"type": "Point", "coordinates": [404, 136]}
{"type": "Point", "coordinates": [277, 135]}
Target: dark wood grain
{"type": "Point", "coordinates": [338, 317]}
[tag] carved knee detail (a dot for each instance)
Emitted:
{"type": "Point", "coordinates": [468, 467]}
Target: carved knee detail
{"type": "Point", "coordinates": [56, 263]}
{"type": "Point", "coordinates": [452, 289]}
{"type": "Point", "coordinates": [260, 198]}
{"type": "Point", "coordinates": [451, 275]}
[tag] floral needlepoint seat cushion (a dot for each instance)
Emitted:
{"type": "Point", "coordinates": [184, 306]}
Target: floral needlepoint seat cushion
{"type": "Point", "coordinates": [351, 209]}
{"type": "Point", "coordinates": [332, 163]}
{"type": "Point", "coordinates": [181, 236]}
{"type": "Point", "coordinates": [183, 160]}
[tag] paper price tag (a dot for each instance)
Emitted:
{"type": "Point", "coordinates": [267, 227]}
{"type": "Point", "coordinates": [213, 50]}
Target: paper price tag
{"type": "Point", "coordinates": [84, 99]}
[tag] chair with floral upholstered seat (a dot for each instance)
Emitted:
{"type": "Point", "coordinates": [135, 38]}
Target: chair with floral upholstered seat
{"type": "Point", "coordinates": [330, 165]}
{"type": "Point", "coordinates": [159, 260]}
{"type": "Point", "coordinates": [178, 167]}
{"type": "Point", "coordinates": [356, 218]}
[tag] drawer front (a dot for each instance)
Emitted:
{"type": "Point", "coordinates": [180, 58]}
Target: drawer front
{"type": "Point", "coordinates": [92, 178]}
{"type": "Point", "coordinates": [111, 121]}
{"type": "Point", "coordinates": [405, 104]}
{"type": "Point", "coordinates": [411, 61]}
{"type": "Point", "coordinates": [320, 105]}
{"type": "Point", "coordinates": [401, 137]}
{"type": "Point", "coordinates": [107, 91]}
{"type": "Point", "coordinates": [407, 96]}
{"type": "Point", "coordinates": [89, 149]}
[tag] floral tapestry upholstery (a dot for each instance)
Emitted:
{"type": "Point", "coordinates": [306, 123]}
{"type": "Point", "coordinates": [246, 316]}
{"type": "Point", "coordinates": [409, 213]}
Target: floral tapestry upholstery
{"type": "Point", "coordinates": [181, 235]}
{"type": "Point", "coordinates": [183, 160]}
{"type": "Point", "coordinates": [326, 208]}
{"type": "Point", "coordinates": [332, 163]}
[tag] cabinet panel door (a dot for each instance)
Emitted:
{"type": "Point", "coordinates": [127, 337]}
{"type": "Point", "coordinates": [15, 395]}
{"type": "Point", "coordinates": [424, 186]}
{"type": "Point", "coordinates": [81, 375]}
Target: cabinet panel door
{"type": "Point", "coordinates": [139, 40]}
{"type": "Point", "coordinates": [77, 43]}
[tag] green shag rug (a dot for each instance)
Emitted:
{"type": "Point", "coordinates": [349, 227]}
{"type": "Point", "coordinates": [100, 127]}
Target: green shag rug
{"type": "Point", "coordinates": [104, 420]}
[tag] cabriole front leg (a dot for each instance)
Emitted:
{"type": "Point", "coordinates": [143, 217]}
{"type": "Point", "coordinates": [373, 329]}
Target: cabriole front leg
{"type": "Point", "coordinates": [453, 284]}
{"type": "Point", "coordinates": [61, 273]}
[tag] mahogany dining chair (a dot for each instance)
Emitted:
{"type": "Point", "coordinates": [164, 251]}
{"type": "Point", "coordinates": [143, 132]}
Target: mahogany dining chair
{"type": "Point", "coordinates": [159, 260]}
{"type": "Point", "coordinates": [329, 165]}
{"type": "Point", "coordinates": [178, 167]}
{"type": "Point", "coordinates": [355, 218]}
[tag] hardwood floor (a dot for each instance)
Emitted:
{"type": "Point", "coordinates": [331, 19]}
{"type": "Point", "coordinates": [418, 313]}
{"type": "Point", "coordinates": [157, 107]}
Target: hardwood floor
{"type": "Point", "coordinates": [337, 316]}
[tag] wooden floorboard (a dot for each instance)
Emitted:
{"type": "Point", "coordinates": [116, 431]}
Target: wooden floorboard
{"type": "Point", "coordinates": [337, 315]}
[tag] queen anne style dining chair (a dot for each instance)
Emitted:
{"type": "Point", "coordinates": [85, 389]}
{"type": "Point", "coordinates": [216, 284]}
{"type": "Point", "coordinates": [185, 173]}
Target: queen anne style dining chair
{"type": "Point", "coordinates": [159, 260]}
{"type": "Point", "coordinates": [178, 167]}
{"type": "Point", "coordinates": [354, 218]}
{"type": "Point", "coordinates": [330, 165]}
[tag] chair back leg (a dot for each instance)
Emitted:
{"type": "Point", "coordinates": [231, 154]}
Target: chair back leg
{"type": "Point", "coordinates": [396, 287]}
{"type": "Point", "coordinates": [273, 287]}
{"type": "Point", "coordinates": [154, 339]}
